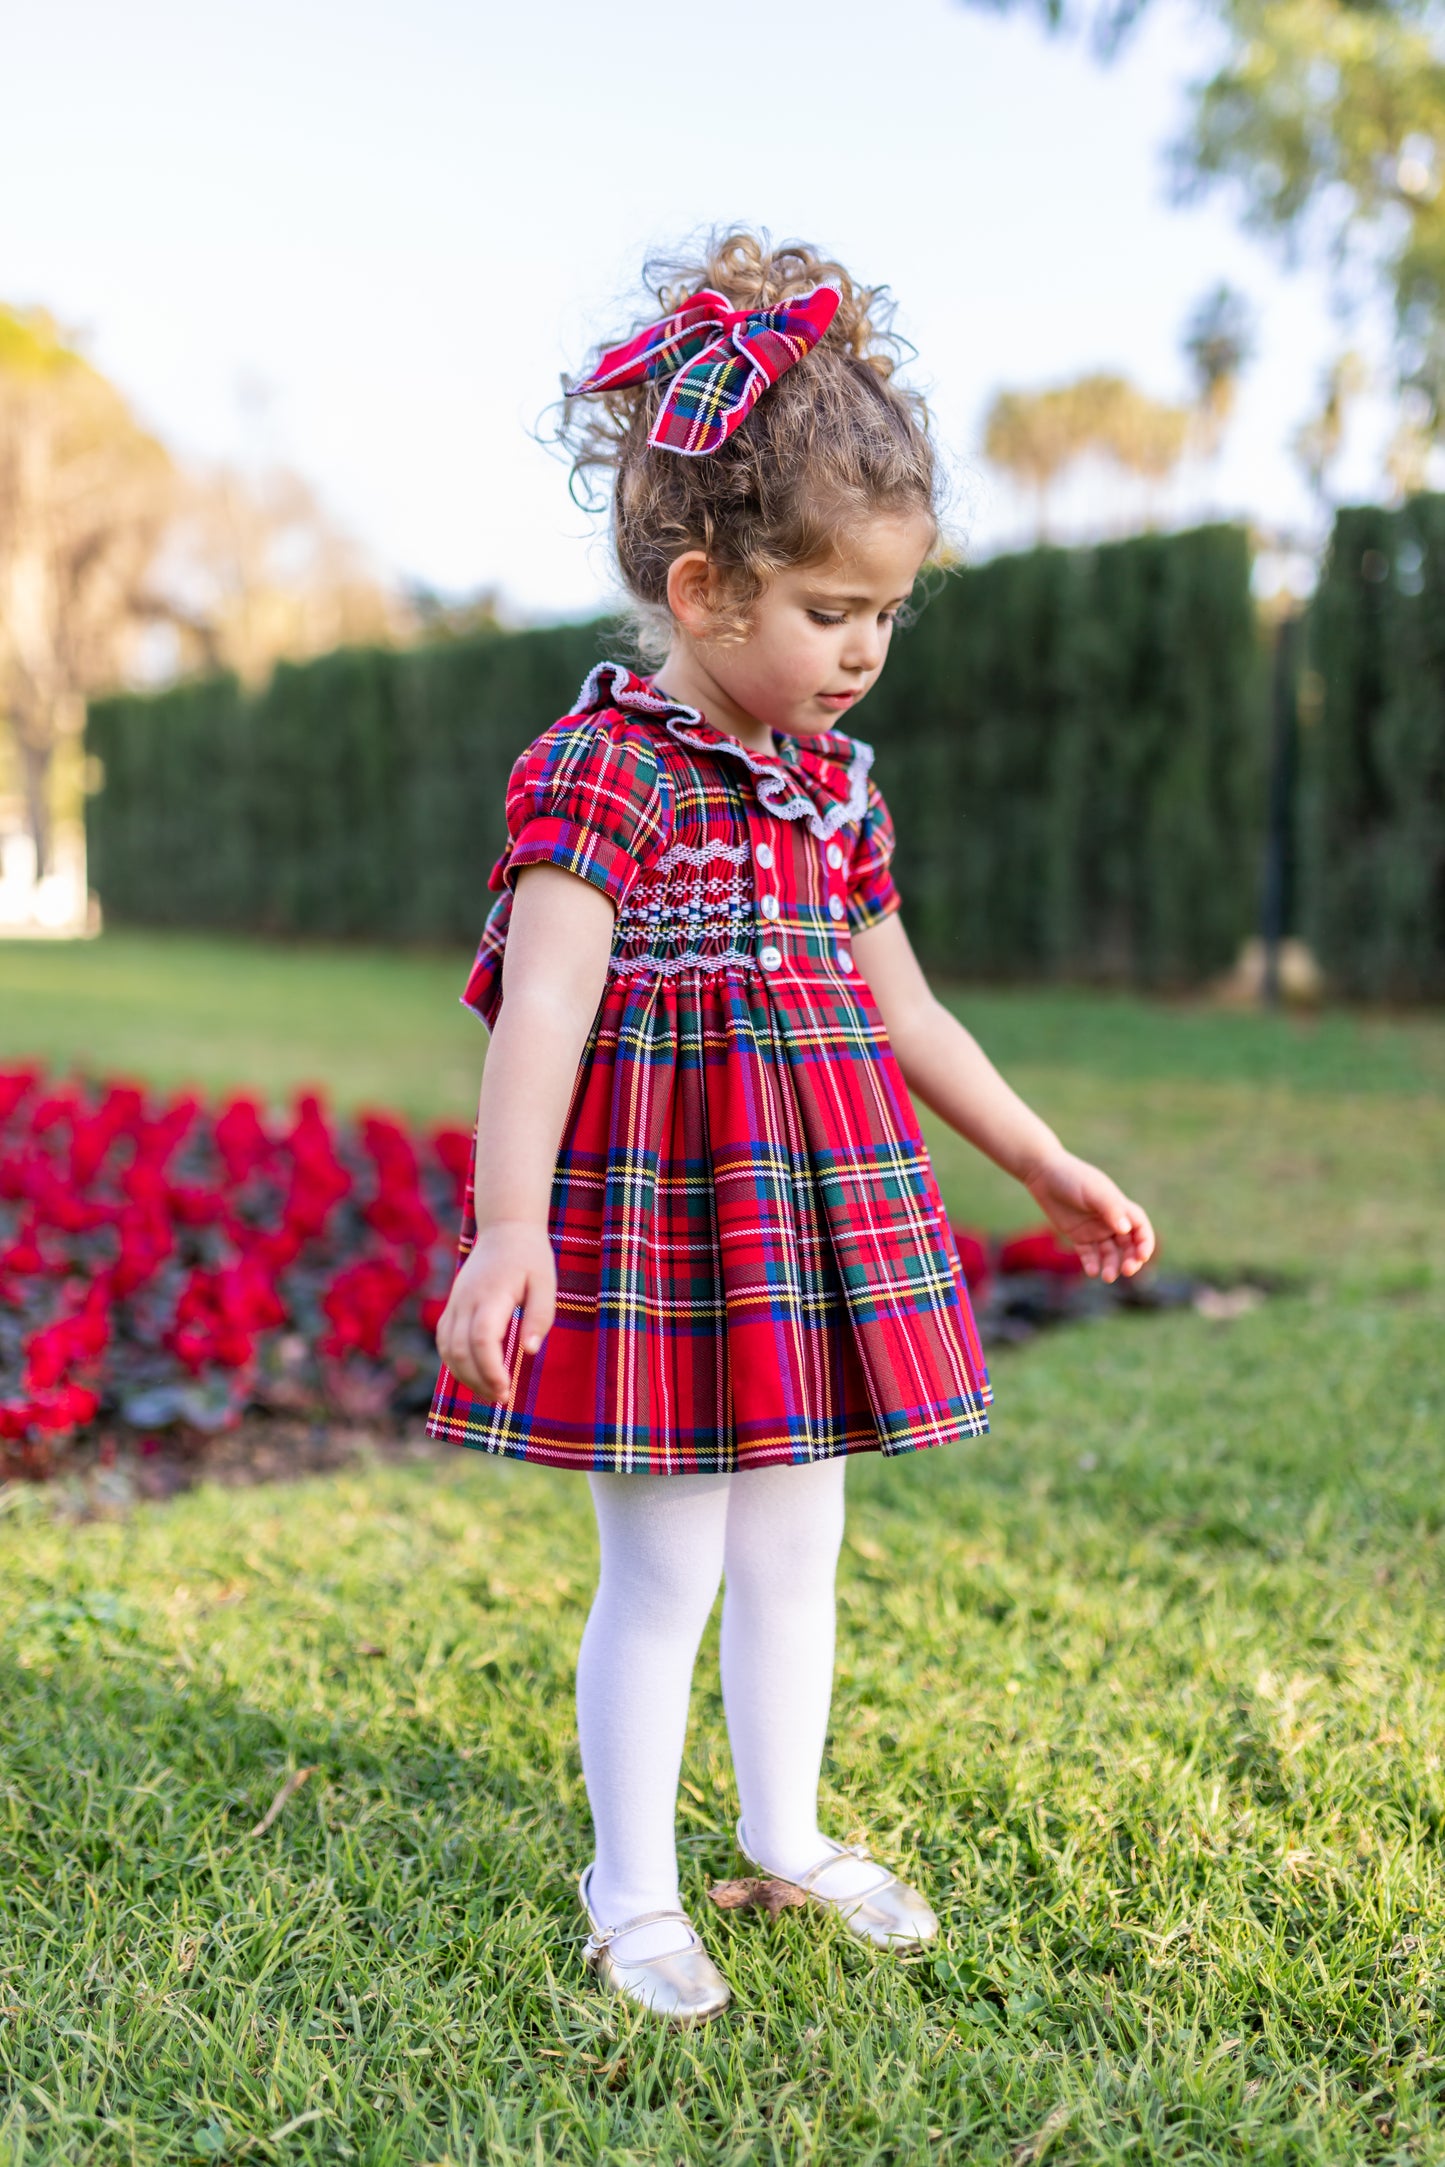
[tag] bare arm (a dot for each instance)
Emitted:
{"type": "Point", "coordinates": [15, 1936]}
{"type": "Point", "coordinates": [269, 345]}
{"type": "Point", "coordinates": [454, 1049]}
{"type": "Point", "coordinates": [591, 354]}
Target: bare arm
{"type": "Point", "coordinates": [558, 941]}
{"type": "Point", "coordinates": [944, 1065]}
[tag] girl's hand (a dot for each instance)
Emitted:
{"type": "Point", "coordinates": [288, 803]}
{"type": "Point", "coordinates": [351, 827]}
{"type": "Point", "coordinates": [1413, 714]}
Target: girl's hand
{"type": "Point", "coordinates": [510, 1267]}
{"type": "Point", "coordinates": [1093, 1215]}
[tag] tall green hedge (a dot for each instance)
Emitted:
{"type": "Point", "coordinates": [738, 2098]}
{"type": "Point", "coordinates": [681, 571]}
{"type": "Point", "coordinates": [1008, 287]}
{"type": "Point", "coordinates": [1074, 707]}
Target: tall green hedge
{"type": "Point", "coordinates": [1373, 796]}
{"type": "Point", "coordinates": [1072, 744]}
{"type": "Point", "coordinates": [357, 796]}
{"type": "Point", "coordinates": [1070, 741]}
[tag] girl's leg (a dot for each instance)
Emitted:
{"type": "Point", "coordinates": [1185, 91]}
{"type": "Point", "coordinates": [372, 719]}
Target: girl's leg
{"type": "Point", "coordinates": [661, 1540]}
{"type": "Point", "coordinates": [784, 1528]}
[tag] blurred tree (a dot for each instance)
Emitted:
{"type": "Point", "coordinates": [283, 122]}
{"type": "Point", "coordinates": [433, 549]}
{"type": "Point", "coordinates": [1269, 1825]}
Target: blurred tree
{"type": "Point", "coordinates": [103, 542]}
{"type": "Point", "coordinates": [85, 497]}
{"type": "Point", "coordinates": [1407, 456]}
{"type": "Point", "coordinates": [1329, 116]}
{"type": "Point", "coordinates": [1318, 441]}
{"type": "Point", "coordinates": [259, 573]}
{"type": "Point", "coordinates": [1036, 436]}
{"type": "Point", "coordinates": [439, 616]}
{"type": "Point", "coordinates": [1108, 22]}
{"type": "Point", "coordinates": [1218, 342]}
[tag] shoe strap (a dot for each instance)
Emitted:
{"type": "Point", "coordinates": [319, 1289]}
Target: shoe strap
{"type": "Point", "coordinates": [805, 1881]}
{"type": "Point", "coordinates": [809, 1880]}
{"type": "Point", "coordinates": [603, 1937]}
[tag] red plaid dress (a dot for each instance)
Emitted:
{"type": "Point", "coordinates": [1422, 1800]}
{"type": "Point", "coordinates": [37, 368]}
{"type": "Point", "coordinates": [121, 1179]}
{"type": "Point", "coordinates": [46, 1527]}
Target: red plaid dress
{"type": "Point", "coordinates": [753, 1260]}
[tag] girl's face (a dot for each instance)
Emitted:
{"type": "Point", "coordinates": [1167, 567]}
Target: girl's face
{"type": "Point", "coordinates": [818, 639]}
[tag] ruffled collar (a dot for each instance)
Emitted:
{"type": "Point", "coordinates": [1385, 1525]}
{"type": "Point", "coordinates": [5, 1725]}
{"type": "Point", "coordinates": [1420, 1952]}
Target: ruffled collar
{"type": "Point", "coordinates": [821, 779]}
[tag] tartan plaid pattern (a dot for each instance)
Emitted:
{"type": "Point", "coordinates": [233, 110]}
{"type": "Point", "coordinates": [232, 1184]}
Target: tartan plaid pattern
{"type": "Point", "coordinates": [720, 359]}
{"type": "Point", "coordinates": [754, 1263]}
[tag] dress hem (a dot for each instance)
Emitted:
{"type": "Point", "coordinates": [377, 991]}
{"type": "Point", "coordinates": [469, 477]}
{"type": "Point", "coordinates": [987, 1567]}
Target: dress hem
{"type": "Point", "coordinates": [617, 1461]}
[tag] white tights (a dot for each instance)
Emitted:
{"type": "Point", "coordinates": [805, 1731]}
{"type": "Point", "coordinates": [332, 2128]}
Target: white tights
{"type": "Point", "coordinates": [666, 1541]}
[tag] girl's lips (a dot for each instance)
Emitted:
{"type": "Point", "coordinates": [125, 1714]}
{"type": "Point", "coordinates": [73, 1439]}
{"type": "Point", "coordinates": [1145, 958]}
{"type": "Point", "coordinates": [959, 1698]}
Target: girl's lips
{"type": "Point", "coordinates": [837, 699]}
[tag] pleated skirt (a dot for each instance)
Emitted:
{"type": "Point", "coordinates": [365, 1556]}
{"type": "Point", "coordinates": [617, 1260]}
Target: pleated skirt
{"type": "Point", "coordinates": [754, 1264]}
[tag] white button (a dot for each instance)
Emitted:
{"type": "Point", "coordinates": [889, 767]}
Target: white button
{"type": "Point", "coordinates": [835, 856]}
{"type": "Point", "coordinates": [764, 854]}
{"type": "Point", "coordinates": [770, 958]}
{"type": "Point", "coordinates": [845, 961]}
{"type": "Point", "coordinates": [835, 906]}
{"type": "Point", "coordinates": [769, 906]}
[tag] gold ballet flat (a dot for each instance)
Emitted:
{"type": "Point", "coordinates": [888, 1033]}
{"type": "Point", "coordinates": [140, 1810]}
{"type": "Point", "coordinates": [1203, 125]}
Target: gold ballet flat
{"type": "Point", "coordinates": [889, 1913]}
{"type": "Point", "coordinates": [685, 1986]}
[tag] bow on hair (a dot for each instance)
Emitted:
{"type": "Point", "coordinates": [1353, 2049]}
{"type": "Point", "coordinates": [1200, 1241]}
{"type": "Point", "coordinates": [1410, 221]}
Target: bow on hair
{"type": "Point", "coordinates": [720, 359]}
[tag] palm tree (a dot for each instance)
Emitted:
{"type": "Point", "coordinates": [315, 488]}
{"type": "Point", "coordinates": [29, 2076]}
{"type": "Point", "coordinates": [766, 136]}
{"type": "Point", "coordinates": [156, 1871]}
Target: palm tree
{"type": "Point", "coordinates": [1031, 436]}
{"type": "Point", "coordinates": [1035, 436]}
{"type": "Point", "coordinates": [1218, 342]}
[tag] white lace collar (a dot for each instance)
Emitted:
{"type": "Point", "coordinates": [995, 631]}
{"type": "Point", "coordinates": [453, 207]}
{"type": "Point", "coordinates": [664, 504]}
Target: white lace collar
{"type": "Point", "coordinates": [826, 784]}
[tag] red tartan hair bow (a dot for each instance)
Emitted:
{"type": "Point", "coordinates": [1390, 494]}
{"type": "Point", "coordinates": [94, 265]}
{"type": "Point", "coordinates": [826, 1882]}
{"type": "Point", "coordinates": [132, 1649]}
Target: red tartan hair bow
{"type": "Point", "coordinates": [720, 359]}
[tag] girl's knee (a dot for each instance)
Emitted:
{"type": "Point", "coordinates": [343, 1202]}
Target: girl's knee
{"type": "Point", "coordinates": [785, 1526]}
{"type": "Point", "coordinates": [661, 1547]}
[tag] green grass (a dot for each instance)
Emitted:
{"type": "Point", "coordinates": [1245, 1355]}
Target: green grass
{"type": "Point", "coordinates": [372, 1027]}
{"type": "Point", "coordinates": [1145, 1689]}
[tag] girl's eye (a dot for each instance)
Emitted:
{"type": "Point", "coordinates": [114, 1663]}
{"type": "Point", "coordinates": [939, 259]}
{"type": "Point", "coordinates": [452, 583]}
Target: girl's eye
{"type": "Point", "coordinates": [822, 617]}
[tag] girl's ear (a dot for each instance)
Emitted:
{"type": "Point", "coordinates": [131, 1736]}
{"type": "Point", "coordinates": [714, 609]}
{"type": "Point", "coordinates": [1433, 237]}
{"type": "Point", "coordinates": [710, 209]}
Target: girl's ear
{"type": "Point", "coordinates": [690, 592]}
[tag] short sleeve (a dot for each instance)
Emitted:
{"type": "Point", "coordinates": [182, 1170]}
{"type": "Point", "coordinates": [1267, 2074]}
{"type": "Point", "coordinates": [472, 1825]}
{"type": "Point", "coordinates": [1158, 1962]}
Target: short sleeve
{"type": "Point", "coordinates": [871, 893]}
{"type": "Point", "coordinates": [585, 796]}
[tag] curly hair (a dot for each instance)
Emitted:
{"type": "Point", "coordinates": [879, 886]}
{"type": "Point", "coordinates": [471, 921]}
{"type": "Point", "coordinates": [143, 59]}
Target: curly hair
{"type": "Point", "coordinates": [835, 439]}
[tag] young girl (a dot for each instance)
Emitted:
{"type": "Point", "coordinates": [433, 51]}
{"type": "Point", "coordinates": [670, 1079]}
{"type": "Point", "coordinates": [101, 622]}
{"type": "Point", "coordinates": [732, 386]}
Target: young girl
{"type": "Point", "coordinates": [704, 1255]}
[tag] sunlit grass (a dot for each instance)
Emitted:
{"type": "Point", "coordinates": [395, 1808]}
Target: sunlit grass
{"type": "Point", "coordinates": [1145, 1689]}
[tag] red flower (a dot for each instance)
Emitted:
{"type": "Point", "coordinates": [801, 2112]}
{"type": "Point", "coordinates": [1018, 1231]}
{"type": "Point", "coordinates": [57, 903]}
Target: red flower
{"type": "Point", "coordinates": [193, 1205]}
{"type": "Point", "coordinates": [15, 1085]}
{"type": "Point", "coordinates": [61, 1346]}
{"type": "Point", "coordinates": [398, 1212]}
{"type": "Point", "coordinates": [23, 1257]}
{"type": "Point", "coordinates": [218, 1314]}
{"type": "Point", "coordinates": [145, 1243]}
{"type": "Point", "coordinates": [1039, 1251]}
{"type": "Point", "coordinates": [56, 1109]}
{"type": "Point", "coordinates": [249, 1297]}
{"type": "Point", "coordinates": [120, 1113]}
{"type": "Point", "coordinates": [67, 1408]}
{"type": "Point", "coordinates": [973, 1255]}
{"type": "Point", "coordinates": [159, 1139]}
{"type": "Point", "coordinates": [241, 1141]}
{"type": "Point", "coordinates": [318, 1181]}
{"type": "Point", "coordinates": [454, 1148]}
{"type": "Point", "coordinates": [361, 1301]}
{"type": "Point", "coordinates": [273, 1252]}
{"type": "Point", "coordinates": [58, 1205]}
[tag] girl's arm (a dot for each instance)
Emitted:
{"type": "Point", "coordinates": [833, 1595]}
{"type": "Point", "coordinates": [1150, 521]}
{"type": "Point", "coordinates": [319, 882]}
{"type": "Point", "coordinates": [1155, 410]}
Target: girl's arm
{"type": "Point", "coordinates": [554, 967]}
{"type": "Point", "coordinates": [944, 1066]}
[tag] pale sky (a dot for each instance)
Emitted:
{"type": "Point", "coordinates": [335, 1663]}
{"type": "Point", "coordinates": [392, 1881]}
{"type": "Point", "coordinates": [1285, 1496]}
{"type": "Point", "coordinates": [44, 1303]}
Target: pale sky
{"type": "Point", "coordinates": [366, 238]}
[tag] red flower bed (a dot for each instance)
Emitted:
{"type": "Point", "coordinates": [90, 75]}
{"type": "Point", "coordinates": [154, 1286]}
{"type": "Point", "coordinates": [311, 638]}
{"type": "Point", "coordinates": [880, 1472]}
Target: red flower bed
{"type": "Point", "coordinates": [162, 1263]}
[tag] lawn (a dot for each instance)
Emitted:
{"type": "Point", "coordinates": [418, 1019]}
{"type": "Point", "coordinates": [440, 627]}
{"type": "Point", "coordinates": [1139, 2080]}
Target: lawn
{"type": "Point", "coordinates": [1145, 1688]}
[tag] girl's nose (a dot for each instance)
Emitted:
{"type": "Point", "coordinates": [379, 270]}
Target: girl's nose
{"type": "Point", "coordinates": [864, 650]}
